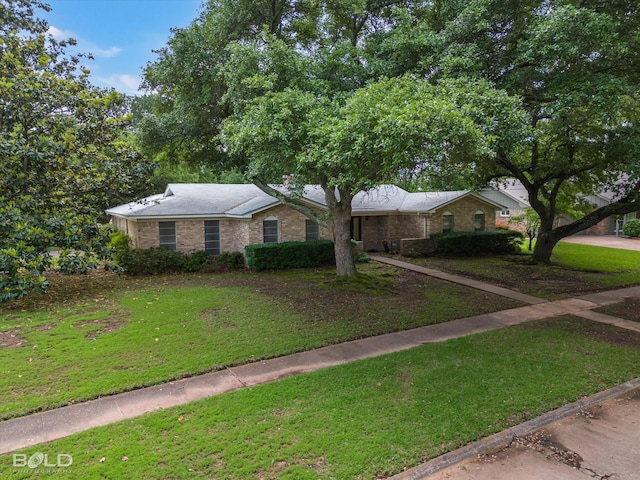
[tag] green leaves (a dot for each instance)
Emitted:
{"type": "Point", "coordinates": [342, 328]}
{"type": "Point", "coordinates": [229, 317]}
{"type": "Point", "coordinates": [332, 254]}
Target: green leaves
{"type": "Point", "coordinates": [386, 127]}
{"type": "Point", "coordinates": [61, 154]}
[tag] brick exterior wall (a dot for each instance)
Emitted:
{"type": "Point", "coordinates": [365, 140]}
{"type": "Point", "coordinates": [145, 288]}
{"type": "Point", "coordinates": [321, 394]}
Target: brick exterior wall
{"type": "Point", "coordinates": [392, 228]}
{"type": "Point", "coordinates": [147, 234]}
{"type": "Point", "coordinates": [291, 225]}
{"type": "Point", "coordinates": [417, 247]}
{"type": "Point", "coordinates": [395, 228]}
{"type": "Point", "coordinates": [463, 211]}
{"type": "Point", "coordinates": [234, 234]}
{"type": "Point", "coordinates": [604, 227]}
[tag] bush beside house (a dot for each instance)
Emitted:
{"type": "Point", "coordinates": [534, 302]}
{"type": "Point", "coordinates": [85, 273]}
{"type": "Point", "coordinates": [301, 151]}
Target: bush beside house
{"type": "Point", "coordinates": [632, 228]}
{"type": "Point", "coordinates": [281, 256]}
{"type": "Point", "coordinates": [477, 243]}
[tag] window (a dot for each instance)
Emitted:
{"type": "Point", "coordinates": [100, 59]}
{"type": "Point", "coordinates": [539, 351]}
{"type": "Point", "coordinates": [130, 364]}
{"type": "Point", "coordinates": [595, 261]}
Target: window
{"type": "Point", "coordinates": [447, 222]}
{"type": "Point", "coordinates": [478, 221]}
{"type": "Point", "coordinates": [505, 213]}
{"type": "Point", "coordinates": [356, 228]}
{"type": "Point", "coordinates": [270, 230]}
{"type": "Point", "coordinates": [312, 230]}
{"type": "Point", "coordinates": [167, 232]}
{"type": "Point", "coordinates": [212, 237]}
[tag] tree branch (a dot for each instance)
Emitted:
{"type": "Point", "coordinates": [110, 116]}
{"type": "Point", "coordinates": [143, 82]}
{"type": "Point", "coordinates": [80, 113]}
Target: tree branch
{"type": "Point", "coordinates": [297, 203]}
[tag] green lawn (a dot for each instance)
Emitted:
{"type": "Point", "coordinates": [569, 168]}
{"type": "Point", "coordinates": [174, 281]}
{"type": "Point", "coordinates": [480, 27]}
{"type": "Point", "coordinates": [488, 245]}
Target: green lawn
{"type": "Point", "coordinates": [101, 334]}
{"type": "Point", "coordinates": [576, 269]}
{"type": "Point", "coordinates": [369, 419]}
{"type": "Point", "coordinates": [149, 331]}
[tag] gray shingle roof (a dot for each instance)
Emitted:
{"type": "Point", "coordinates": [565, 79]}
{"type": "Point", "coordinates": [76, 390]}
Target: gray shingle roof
{"type": "Point", "coordinates": [243, 200]}
{"type": "Point", "coordinates": [199, 200]}
{"type": "Point", "coordinates": [428, 201]}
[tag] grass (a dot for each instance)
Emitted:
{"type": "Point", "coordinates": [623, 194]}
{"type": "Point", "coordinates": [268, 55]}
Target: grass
{"type": "Point", "coordinates": [97, 335]}
{"type": "Point", "coordinates": [369, 419]}
{"type": "Point", "coordinates": [141, 332]}
{"type": "Point", "coordinates": [576, 269]}
{"type": "Point", "coordinates": [629, 309]}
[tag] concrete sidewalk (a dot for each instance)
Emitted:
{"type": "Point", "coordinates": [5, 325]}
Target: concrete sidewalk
{"type": "Point", "coordinates": [468, 282]}
{"type": "Point", "coordinates": [46, 426]}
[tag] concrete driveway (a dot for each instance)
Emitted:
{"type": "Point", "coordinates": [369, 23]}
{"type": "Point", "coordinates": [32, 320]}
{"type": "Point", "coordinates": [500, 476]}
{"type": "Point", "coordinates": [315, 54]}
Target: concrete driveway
{"type": "Point", "coordinates": [600, 442]}
{"type": "Point", "coordinates": [610, 241]}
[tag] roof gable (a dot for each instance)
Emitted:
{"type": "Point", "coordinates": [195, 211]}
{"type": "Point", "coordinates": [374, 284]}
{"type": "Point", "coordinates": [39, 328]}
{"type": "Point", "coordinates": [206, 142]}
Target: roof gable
{"type": "Point", "coordinates": [199, 200]}
{"type": "Point", "coordinates": [244, 200]}
{"type": "Point", "coordinates": [425, 202]}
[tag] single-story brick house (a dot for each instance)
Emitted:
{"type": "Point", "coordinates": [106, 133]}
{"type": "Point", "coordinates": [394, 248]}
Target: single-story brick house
{"type": "Point", "coordinates": [226, 217]}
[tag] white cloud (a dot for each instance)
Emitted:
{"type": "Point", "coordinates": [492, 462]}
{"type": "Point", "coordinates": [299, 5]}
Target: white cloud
{"type": "Point", "coordinates": [124, 83]}
{"type": "Point", "coordinates": [58, 34]}
{"type": "Point", "coordinates": [106, 53]}
{"type": "Point", "coordinates": [84, 46]}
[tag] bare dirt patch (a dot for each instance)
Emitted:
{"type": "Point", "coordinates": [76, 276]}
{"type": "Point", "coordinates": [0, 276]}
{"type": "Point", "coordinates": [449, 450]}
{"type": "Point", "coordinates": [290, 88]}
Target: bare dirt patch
{"type": "Point", "coordinates": [516, 272]}
{"type": "Point", "coordinates": [45, 327]}
{"type": "Point", "coordinates": [598, 331]}
{"type": "Point", "coordinates": [405, 295]}
{"type": "Point", "coordinates": [104, 325]}
{"type": "Point", "coordinates": [11, 339]}
{"type": "Point", "coordinates": [629, 309]}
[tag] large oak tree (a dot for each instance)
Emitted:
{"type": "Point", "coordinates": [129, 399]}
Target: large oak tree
{"type": "Point", "coordinates": [295, 94]}
{"type": "Point", "coordinates": [571, 66]}
{"type": "Point", "coordinates": [575, 66]}
{"type": "Point", "coordinates": [381, 129]}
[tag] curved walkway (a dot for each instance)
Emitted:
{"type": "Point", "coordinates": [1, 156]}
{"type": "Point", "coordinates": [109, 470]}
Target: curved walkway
{"type": "Point", "coordinates": [50, 425]}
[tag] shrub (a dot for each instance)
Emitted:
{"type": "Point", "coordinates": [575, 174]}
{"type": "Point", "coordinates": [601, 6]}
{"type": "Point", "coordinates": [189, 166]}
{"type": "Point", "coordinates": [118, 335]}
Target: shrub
{"type": "Point", "coordinates": [231, 260]}
{"type": "Point", "coordinates": [477, 243]}
{"type": "Point", "coordinates": [151, 261]}
{"type": "Point", "coordinates": [632, 228]}
{"type": "Point", "coordinates": [361, 257]}
{"type": "Point", "coordinates": [119, 240]}
{"type": "Point", "coordinates": [74, 263]}
{"type": "Point", "coordinates": [280, 256]}
{"type": "Point", "coordinates": [197, 261]}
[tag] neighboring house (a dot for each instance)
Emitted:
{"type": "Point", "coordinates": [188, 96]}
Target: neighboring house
{"type": "Point", "coordinates": [608, 226]}
{"type": "Point", "coordinates": [515, 190]}
{"type": "Point", "coordinates": [514, 201]}
{"type": "Point", "coordinates": [226, 217]}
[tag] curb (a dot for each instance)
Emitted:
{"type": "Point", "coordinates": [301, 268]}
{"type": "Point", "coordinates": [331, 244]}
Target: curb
{"type": "Point", "coordinates": [502, 439]}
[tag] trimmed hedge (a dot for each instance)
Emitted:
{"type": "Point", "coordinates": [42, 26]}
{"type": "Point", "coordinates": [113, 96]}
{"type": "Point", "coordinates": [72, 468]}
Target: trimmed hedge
{"type": "Point", "coordinates": [230, 260]}
{"type": "Point", "coordinates": [281, 256]}
{"type": "Point", "coordinates": [150, 261]}
{"type": "Point", "coordinates": [477, 243]}
{"type": "Point", "coordinates": [155, 261]}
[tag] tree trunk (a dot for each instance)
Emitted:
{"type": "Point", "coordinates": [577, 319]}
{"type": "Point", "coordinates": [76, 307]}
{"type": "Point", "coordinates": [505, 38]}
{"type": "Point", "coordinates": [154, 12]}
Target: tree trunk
{"type": "Point", "coordinates": [340, 225]}
{"type": "Point", "coordinates": [544, 246]}
{"type": "Point", "coordinates": [550, 236]}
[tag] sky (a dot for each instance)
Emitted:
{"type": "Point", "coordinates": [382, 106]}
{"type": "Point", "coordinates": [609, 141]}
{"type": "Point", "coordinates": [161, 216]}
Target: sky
{"type": "Point", "coordinates": [121, 34]}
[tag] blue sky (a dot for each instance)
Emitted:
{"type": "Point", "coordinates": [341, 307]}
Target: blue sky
{"type": "Point", "coordinates": [120, 34]}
